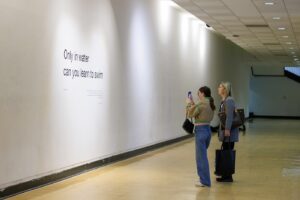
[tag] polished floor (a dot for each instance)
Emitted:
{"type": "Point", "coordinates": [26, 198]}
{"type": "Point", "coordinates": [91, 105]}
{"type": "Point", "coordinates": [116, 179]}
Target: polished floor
{"type": "Point", "coordinates": [267, 167]}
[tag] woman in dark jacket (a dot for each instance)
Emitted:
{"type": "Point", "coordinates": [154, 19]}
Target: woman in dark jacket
{"type": "Point", "coordinates": [227, 135]}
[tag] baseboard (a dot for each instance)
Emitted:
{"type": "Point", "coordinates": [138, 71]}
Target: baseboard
{"type": "Point", "coordinates": [53, 178]}
{"type": "Point", "coordinates": [276, 117]}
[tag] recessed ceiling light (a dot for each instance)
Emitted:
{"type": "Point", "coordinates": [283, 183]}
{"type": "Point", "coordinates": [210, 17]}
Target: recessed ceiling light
{"type": "Point", "coordinates": [289, 43]}
{"type": "Point", "coordinates": [276, 18]}
{"type": "Point", "coordinates": [292, 52]}
{"type": "Point", "coordinates": [269, 3]}
{"type": "Point", "coordinates": [285, 36]}
{"type": "Point", "coordinates": [291, 48]}
{"type": "Point", "coordinates": [281, 28]}
{"type": "Point", "coordinates": [296, 59]}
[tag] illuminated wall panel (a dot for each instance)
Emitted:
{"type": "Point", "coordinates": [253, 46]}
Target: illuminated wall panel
{"type": "Point", "coordinates": [84, 81]}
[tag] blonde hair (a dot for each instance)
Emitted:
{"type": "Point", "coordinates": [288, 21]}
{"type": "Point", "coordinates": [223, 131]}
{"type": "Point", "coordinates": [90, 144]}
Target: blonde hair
{"type": "Point", "coordinates": [227, 86]}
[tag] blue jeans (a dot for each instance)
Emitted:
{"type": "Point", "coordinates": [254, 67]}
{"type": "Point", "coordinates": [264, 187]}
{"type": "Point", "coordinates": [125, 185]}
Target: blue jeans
{"type": "Point", "coordinates": [202, 138]}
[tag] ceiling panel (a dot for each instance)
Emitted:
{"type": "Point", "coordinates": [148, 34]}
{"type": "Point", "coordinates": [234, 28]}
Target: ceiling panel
{"type": "Point", "coordinates": [211, 22]}
{"type": "Point", "coordinates": [222, 18]}
{"type": "Point", "coordinates": [231, 23]}
{"type": "Point", "coordinates": [237, 28]}
{"type": "Point", "coordinates": [253, 20]}
{"type": "Point", "coordinates": [192, 8]}
{"type": "Point", "coordinates": [295, 19]}
{"type": "Point", "coordinates": [208, 3]}
{"type": "Point", "coordinates": [182, 2]}
{"type": "Point", "coordinates": [242, 8]}
{"type": "Point", "coordinates": [275, 47]}
{"type": "Point", "coordinates": [278, 6]}
{"type": "Point", "coordinates": [260, 30]}
{"type": "Point", "coordinates": [253, 25]}
{"type": "Point", "coordinates": [201, 14]}
{"type": "Point", "coordinates": [217, 11]}
{"type": "Point", "coordinates": [243, 33]}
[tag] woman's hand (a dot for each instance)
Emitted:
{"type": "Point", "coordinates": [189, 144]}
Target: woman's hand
{"type": "Point", "coordinates": [189, 101]}
{"type": "Point", "coordinates": [227, 133]}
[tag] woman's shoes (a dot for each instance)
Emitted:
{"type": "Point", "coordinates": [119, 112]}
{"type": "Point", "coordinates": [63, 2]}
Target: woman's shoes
{"type": "Point", "coordinates": [199, 184]}
{"type": "Point", "coordinates": [225, 179]}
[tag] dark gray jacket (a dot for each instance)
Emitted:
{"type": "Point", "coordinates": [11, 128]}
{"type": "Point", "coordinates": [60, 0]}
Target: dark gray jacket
{"type": "Point", "coordinates": [230, 107]}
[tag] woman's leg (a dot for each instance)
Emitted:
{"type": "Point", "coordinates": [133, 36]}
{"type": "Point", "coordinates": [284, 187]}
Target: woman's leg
{"type": "Point", "coordinates": [202, 143]}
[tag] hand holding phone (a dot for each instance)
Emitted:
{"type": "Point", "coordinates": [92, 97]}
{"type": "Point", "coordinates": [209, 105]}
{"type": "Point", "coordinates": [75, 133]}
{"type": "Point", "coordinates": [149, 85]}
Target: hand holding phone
{"type": "Point", "coordinates": [190, 95]}
{"type": "Point", "coordinates": [189, 98]}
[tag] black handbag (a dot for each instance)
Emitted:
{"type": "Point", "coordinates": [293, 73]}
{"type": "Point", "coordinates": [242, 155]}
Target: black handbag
{"type": "Point", "coordinates": [237, 118]}
{"type": "Point", "coordinates": [225, 162]}
{"type": "Point", "coordinates": [188, 126]}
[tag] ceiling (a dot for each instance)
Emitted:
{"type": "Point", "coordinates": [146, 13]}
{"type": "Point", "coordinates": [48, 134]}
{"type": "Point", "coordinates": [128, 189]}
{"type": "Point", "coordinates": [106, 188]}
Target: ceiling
{"type": "Point", "coordinates": [254, 25]}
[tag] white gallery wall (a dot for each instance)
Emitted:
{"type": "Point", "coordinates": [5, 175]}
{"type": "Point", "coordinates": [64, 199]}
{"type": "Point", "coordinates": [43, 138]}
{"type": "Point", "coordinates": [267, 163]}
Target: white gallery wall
{"type": "Point", "coordinates": [274, 96]}
{"type": "Point", "coordinates": [84, 80]}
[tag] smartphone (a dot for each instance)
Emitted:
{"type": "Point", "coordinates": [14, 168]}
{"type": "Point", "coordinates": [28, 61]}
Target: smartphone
{"type": "Point", "coordinates": [190, 95]}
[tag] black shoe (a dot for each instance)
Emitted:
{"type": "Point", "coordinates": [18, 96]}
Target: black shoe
{"type": "Point", "coordinates": [225, 179]}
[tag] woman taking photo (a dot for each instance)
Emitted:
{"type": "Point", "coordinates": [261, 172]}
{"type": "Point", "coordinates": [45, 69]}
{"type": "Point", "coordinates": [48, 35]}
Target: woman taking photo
{"type": "Point", "coordinates": [227, 135]}
{"type": "Point", "coordinates": [202, 113]}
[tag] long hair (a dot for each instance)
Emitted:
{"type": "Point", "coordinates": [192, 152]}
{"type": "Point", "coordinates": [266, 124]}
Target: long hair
{"type": "Point", "coordinates": [207, 93]}
{"type": "Point", "coordinates": [227, 86]}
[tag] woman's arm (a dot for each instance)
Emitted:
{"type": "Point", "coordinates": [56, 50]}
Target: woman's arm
{"type": "Point", "coordinates": [192, 110]}
{"type": "Point", "coordinates": [229, 109]}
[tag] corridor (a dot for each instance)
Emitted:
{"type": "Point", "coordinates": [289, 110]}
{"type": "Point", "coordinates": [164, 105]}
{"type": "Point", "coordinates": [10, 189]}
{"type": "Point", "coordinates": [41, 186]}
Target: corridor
{"type": "Point", "coordinates": [267, 167]}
